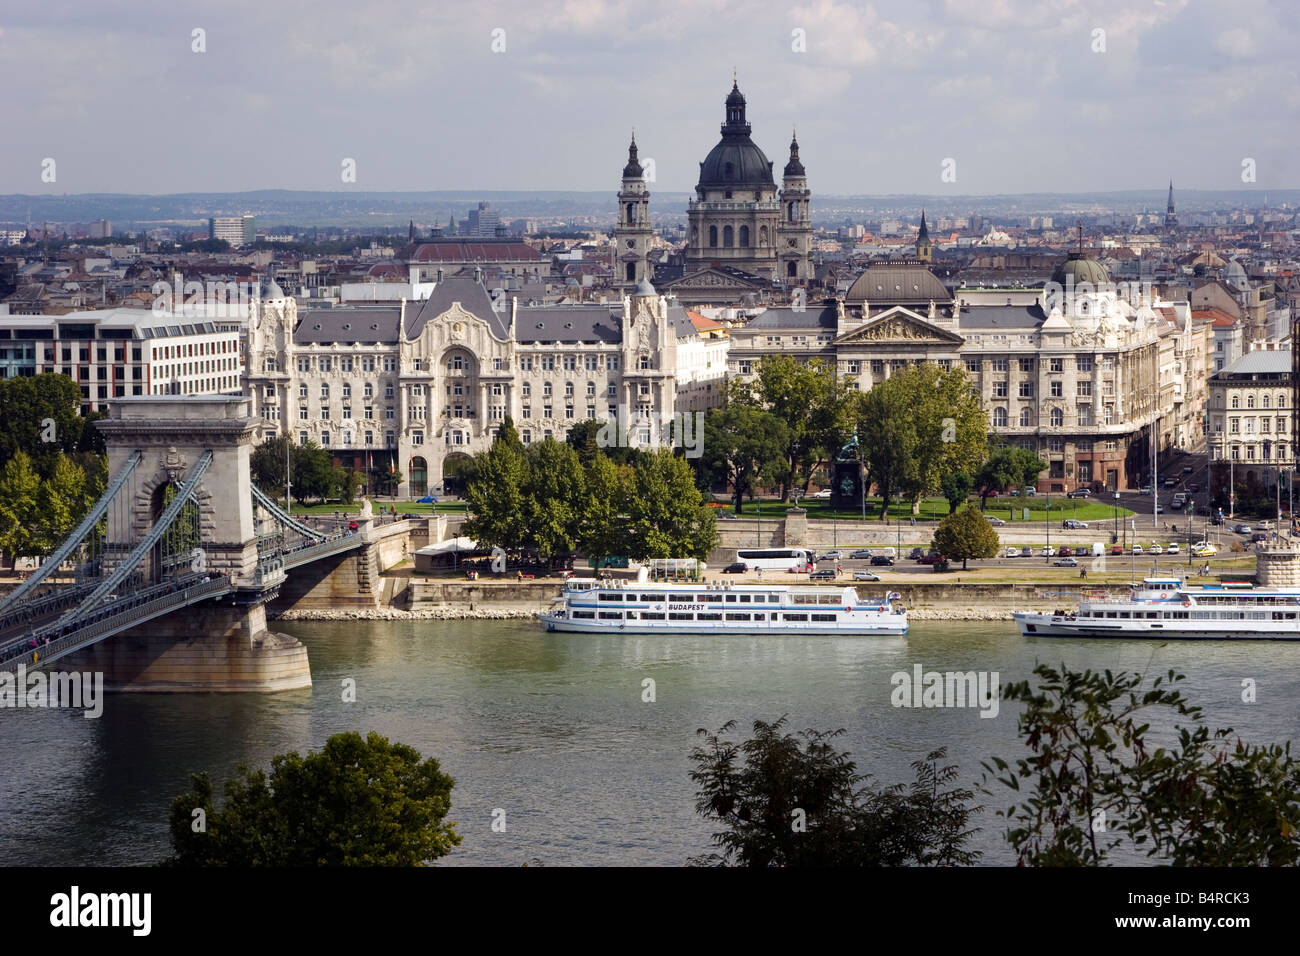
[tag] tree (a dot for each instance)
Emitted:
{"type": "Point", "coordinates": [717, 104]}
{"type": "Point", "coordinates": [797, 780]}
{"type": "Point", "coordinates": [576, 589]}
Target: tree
{"type": "Point", "coordinates": [496, 497]}
{"type": "Point", "coordinates": [1095, 782]}
{"type": "Point", "coordinates": [602, 528]}
{"type": "Point", "coordinates": [355, 803]}
{"type": "Point", "coordinates": [795, 800]}
{"type": "Point", "coordinates": [19, 515]}
{"type": "Point", "coordinates": [888, 439]}
{"type": "Point", "coordinates": [41, 416]}
{"type": "Point", "coordinates": [582, 438]}
{"type": "Point", "coordinates": [1007, 466]}
{"type": "Point", "coordinates": [743, 446]}
{"type": "Point", "coordinates": [957, 486]}
{"type": "Point", "coordinates": [966, 534]}
{"type": "Point", "coordinates": [554, 497]}
{"type": "Point", "coordinates": [668, 515]}
{"type": "Point", "coordinates": [60, 504]}
{"type": "Point", "coordinates": [816, 407]}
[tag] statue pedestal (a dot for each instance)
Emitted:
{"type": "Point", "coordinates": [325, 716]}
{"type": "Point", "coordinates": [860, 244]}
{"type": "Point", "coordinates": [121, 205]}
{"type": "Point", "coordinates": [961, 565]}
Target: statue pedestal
{"type": "Point", "coordinates": [846, 484]}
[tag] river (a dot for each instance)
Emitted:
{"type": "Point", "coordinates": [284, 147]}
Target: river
{"type": "Point", "coordinates": [553, 729]}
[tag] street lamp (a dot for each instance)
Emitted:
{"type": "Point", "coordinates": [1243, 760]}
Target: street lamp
{"type": "Point", "coordinates": [1115, 536]}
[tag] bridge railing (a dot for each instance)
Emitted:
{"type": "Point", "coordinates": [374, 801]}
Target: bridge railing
{"type": "Point", "coordinates": [107, 621]}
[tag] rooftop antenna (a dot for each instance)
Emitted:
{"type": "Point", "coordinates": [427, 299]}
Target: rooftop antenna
{"type": "Point", "coordinates": [1079, 225]}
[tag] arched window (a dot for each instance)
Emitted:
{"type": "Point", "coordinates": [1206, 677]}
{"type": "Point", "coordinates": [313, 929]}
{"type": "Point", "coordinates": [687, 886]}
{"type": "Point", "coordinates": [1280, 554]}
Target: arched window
{"type": "Point", "coordinates": [1026, 418]}
{"type": "Point", "coordinates": [793, 207]}
{"type": "Point", "coordinates": [1265, 401]}
{"type": "Point", "coordinates": [1236, 401]}
{"type": "Point", "coordinates": [728, 237]}
{"type": "Point", "coordinates": [744, 237]}
{"type": "Point", "coordinates": [713, 237]}
{"type": "Point", "coordinates": [631, 217]}
{"type": "Point", "coordinates": [1058, 418]}
{"type": "Point", "coordinates": [1281, 399]}
{"type": "Point", "coordinates": [999, 418]}
{"type": "Point", "coordinates": [1250, 401]}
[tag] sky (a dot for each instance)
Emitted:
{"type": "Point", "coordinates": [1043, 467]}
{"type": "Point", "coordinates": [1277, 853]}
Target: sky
{"type": "Point", "coordinates": [1019, 95]}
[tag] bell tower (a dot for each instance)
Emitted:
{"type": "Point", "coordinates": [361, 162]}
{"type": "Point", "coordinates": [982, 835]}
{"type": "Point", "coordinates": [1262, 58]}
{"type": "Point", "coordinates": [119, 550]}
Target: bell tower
{"type": "Point", "coordinates": [632, 235]}
{"type": "Point", "coordinates": [794, 234]}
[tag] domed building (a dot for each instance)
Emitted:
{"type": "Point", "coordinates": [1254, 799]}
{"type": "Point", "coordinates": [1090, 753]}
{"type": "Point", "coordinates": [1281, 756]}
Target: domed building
{"type": "Point", "coordinates": [738, 218]}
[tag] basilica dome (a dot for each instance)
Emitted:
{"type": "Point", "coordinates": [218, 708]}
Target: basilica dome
{"type": "Point", "coordinates": [736, 162]}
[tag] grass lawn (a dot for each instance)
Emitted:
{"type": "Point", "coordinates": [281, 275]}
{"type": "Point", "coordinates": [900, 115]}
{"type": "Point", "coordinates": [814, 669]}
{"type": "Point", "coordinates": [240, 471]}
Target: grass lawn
{"type": "Point", "coordinates": [933, 509]}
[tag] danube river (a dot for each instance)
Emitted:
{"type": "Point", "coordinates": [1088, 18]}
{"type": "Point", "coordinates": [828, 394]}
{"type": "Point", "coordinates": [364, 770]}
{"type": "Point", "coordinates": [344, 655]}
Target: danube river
{"type": "Point", "coordinates": [553, 729]}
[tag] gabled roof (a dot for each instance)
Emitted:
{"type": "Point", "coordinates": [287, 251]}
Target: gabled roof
{"type": "Point", "coordinates": [471, 295]}
{"type": "Point", "coordinates": [897, 284]}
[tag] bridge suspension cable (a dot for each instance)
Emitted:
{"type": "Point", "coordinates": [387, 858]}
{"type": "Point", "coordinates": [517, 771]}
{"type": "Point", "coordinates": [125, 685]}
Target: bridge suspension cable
{"type": "Point", "coordinates": [284, 517]}
{"type": "Point", "coordinates": [74, 540]}
{"type": "Point", "coordinates": [132, 560]}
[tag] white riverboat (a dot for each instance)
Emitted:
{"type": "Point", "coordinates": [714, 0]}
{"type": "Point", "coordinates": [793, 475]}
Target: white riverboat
{"type": "Point", "coordinates": [634, 607]}
{"type": "Point", "coordinates": [1166, 608]}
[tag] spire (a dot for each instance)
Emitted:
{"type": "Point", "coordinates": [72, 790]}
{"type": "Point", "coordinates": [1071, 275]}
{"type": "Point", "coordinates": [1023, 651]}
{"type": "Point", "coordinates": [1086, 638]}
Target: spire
{"type": "Point", "coordinates": [794, 167]}
{"type": "Point", "coordinates": [1170, 207]}
{"type": "Point", "coordinates": [410, 232]}
{"type": "Point", "coordinates": [633, 168]}
{"type": "Point", "coordinates": [924, 233]}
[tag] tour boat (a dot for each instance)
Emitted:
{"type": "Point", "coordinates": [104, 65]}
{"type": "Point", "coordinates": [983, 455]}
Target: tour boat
{"type": "Point", "coordinates": [1167, 608]}
{"type": "Point", "coordinates": [637, 607]}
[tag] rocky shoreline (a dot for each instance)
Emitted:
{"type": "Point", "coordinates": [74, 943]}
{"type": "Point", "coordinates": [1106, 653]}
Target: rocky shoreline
{"type": "Point", "coordinates": [524, 612]}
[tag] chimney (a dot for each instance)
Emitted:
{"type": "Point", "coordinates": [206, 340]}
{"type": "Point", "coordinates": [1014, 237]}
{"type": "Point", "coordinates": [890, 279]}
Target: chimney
{"type": "Point", "coordinates": [478, 274]}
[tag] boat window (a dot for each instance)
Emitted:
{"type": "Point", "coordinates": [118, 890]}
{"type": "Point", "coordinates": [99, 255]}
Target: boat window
{"type": "Point", "coordinates": [760, 617]}
{"type": "Point", "coordinates": [611, 615]}
{"type": "Point", "coordinates": [744, 599]}
{"type": "Point", "coordinates": [675, 616]}
{"type": "Point", "coordinates": [823, 617]}
{"type": "Point", "coordinates": [651, 616]}
{"type": "Point", "coordinates": [731, 599]}
{"type": "Point", "coordinates": [654, 597]}
{"type": "Point", "coordinates": [737, 617]}
{"type": "Point", "coordinates": [709, 617]}
{"type": "Point", "coordinates": [584, 614]}
{"type": "Point", "coordinates": [605, 596]}
{"type": "Point", "coordinates": [796, 617]}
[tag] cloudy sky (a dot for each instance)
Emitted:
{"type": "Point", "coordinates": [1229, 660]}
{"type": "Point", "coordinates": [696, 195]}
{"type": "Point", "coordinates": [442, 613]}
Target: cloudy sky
{"type": "Point", "coordinates": [1024, 95]}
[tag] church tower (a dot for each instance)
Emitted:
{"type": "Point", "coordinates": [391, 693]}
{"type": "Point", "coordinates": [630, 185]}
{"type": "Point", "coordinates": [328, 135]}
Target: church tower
{"type": "Point", "coordinates": [632, 235]}
{"type": "Point", "coordinates": [1171, 220]}
{"type": "Point", "coordinates": [923, 250]}
{"type": "Point", "coordinates": [270, 356]}
{"type": "Point", "coordinates": [794, 234]}
{"type": "Point", "coordinates": [648, 395]}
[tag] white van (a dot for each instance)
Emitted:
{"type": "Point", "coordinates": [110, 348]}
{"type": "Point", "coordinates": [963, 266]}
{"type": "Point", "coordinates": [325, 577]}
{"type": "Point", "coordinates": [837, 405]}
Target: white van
{"type": "Point", "coordinates": [1098, 549]}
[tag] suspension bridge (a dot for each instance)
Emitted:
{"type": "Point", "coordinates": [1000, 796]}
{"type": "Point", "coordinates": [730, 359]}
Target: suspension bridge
{"type": "Point", "coordinates": [177, 560]}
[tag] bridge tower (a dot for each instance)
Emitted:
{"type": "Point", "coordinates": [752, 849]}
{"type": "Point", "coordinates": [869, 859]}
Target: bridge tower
{"type": "Point", "coordinates": [222, 644]}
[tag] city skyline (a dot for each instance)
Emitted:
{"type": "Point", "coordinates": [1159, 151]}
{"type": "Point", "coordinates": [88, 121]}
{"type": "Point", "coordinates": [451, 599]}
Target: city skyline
{"type": "Point", "coordinates": [1022, 98]}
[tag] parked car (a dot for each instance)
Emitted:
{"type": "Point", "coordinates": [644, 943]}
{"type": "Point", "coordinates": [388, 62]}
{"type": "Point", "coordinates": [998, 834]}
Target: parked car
{"type": "Point", "coordinates": [1155, 549]}
{"type": "Point", "coordinates": [826, 574]}
{"type": "Point", "coordinates": [1241, 528]}
{"type": "Point", "coordinates": [824, 493]}
{"type": "Point", "coordinates": [1066, 563]}
{"type": "Point", "coordinates": [1144, 490]}
{"type": "Point", "coordinates": [1049, 552]}
{"type": "Point", "coordinates": [864, 575]}
{"type": "Point", "coordinates": [1031, 492]}
{"type": "Point", "coordinates": [1078, 493]}
{"type": "Point", "coordinates": [1172, 548]}
{"type": "Point", "coordinates": [1013, 552]}
{"type": "Point", "coordinates": [832, 556]}
{"type": "Point", "coordinates": [916, 554]}
{"type": "Point", "coordinates": [882, 560]}
{"type": "Point", "coordinates": [1264, 526]}
{"type": "Point", "coordinates": [736, 567]}
{"type": "Point", "coordinates": [862, 554]}
{"type": "Point", "coordinates": [1014, 492]}
{"type": "Point", "coordinates": [925, 559]}
{"type": "Point", "coordinates": [1116, 549]}
{"type": "Point", "coordinates": [1066, 552]}
{"type": "Point", "coordinates": [994, 520]}
{"type": "Point", "coordinates": [1071, 523]}
{"type": "Point", "coordinates": [1137, 549]}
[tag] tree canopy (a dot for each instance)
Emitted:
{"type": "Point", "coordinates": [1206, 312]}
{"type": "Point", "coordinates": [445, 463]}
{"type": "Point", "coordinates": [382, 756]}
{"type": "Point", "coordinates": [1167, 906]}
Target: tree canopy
{"type": "Point", "coordinates": [356, 802]}
{"type": "Point", "coordinates": [966, 534]}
